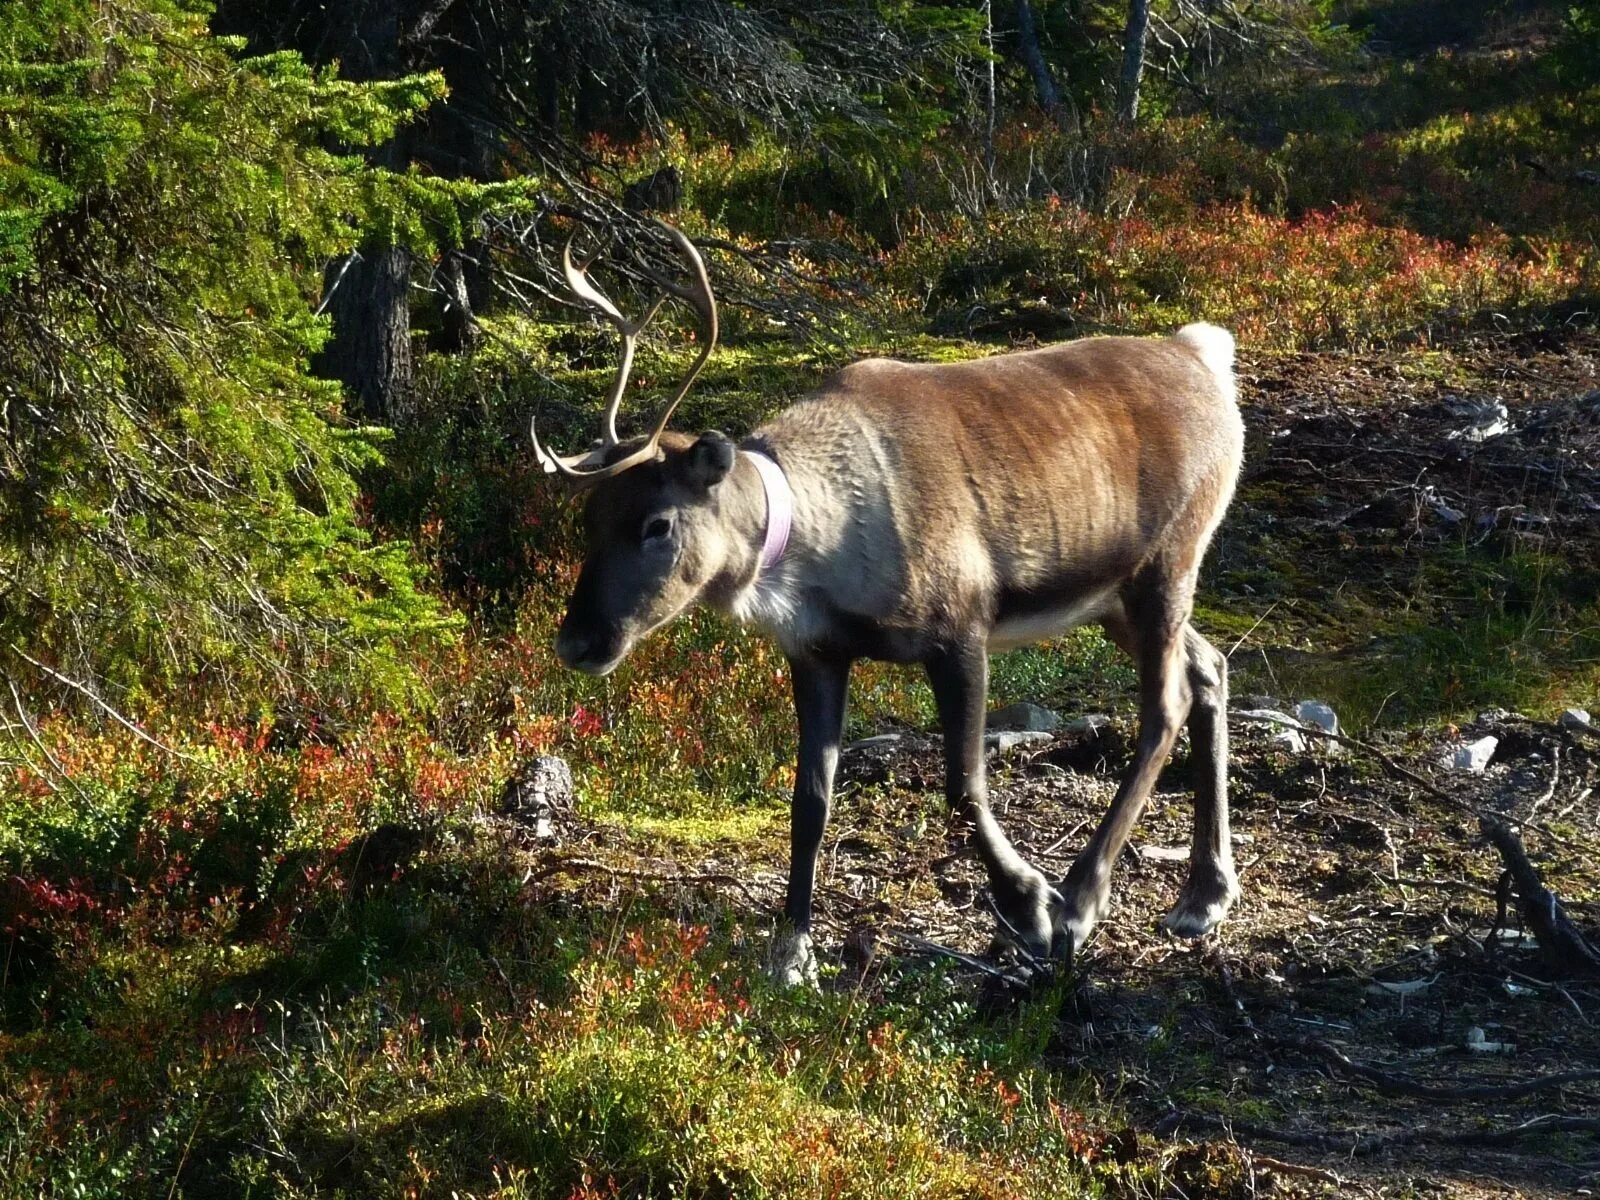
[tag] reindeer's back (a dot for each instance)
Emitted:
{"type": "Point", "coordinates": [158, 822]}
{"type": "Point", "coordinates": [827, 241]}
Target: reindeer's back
{"type": "Point", "coordinates": [1034, 471]}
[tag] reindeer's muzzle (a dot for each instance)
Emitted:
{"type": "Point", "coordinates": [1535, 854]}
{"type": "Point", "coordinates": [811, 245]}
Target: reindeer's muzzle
{"type": "Point", "coordinates": [594, 652]}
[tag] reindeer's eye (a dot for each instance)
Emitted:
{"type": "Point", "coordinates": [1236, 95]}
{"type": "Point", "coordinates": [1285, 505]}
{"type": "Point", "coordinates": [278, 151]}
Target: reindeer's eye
{"type": "Point", "coordinates": [656, 529]}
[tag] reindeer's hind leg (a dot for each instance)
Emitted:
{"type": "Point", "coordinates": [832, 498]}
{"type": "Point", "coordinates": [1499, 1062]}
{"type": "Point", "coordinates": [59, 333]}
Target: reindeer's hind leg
{"type": "Point", "coordinates": [1212, 886]}
{"type": "Point", "coordinates": [960, 679]}
{"type": "Point", "coordinates": [1151, 628]}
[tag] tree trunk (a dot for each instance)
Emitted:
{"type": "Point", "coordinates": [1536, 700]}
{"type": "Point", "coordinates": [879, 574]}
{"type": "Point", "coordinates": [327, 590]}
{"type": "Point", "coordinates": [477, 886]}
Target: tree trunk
{"type": "Point", "coordinates": [368, 296]}
{"type": "Point", "coordinates": [1133, 39]}
{"type": "Point", "coordinates": [458, 325]}
{"type": "Point", "coordinates": [370, 301]}
{"type": "Point", "coordinates": [1044, 83]}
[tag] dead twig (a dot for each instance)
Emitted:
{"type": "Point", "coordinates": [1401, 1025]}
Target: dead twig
{"type": "Point", "coordinates": [966, 960]}
{"type": "Point", "coordinates": [1555, 778]}
{"type": "Point", "coordinates": [1565, 949]}
{"type": "Point", "coordinates": [89, 693]}
{"type": "Point", "coordinates": [1276, 1166]}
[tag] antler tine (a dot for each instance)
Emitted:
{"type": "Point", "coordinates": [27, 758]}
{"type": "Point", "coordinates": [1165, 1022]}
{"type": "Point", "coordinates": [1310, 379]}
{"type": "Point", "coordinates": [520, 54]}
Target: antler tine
{"type": "Point", "coordinates": [703, 300]}
{"type": "Point", "coordinates": [558, 464]}
{"type": "Point", "coordinates": [583, 471]}
{"type": "Point", "coordinates": [583, 288]}
{"type": "Point", "coordinates": [578, 281]}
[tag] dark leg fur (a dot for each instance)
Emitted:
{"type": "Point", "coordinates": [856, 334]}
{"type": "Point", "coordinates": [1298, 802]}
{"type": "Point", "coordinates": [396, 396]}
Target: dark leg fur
{"type": "Point", "coordinates": [960, 678]}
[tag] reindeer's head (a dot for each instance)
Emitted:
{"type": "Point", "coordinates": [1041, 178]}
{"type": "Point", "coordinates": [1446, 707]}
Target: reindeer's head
{"type": "Point", "coordinates": [654, 520]}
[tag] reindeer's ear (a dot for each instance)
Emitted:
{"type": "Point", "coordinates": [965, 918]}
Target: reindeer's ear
{"type": "Point", "coordinates": [707, 463]}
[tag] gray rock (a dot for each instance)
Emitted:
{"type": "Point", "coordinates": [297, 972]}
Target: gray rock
{"type": "Point", "coordinates": [1499, 716]}
{"type": "Point", "coordinates": [1284, 735]}
{"type": "Point", "coordinates": [1291, 740]}
{"type": "Point", "coordinates": [1315, 712]}
{"type": "Point", "coordinates": [1024, 718]}
{"type": "Point", "coordinates": [1446, 512]}
{"type": "Point", "coordinates": [1481, 419]}
{"type": "Point", "coordinates": [1090, 723]}
{"type": "Point", "coordinates": [539, 794]}
{"type": "Point", "coordinates": [1575, 718]}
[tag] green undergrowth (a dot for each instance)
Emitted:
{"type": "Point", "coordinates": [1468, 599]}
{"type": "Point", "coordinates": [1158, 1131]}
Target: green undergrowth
{"type": "Point", "coordinates": [1459, 631]}
{"type": "Point", "coordinates": [418, 1019]}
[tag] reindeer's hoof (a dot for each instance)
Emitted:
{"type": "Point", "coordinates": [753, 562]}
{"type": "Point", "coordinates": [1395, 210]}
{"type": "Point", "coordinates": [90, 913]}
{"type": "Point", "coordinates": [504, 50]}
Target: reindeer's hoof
{"type": "Point", "coordinates": [1073, 919]}
{"type": "Point", "coordinates": [1202, 906]}
{"type": "Point", "coordinates": [1025, 910]}
{"type": "Point", "coordinates": [792, 962]}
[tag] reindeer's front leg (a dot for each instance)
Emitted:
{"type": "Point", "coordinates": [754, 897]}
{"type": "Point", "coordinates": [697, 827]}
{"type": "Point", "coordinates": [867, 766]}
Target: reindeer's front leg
{"type": "Point", "coordinates": [820, 687]}
{"type": "Point", "coordinates": [1024, 899]}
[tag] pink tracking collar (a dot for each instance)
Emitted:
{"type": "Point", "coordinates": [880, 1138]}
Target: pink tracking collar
{"type": "Point", "coordinates": [780, 508]}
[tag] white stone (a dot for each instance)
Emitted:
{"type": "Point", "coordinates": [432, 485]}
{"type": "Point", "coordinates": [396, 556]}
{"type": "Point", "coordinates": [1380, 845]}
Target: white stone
{"type": "Point", "coordinates": [1291, 740]}
{"type": "Point", "coordinates": [1478, 1042]}
{"type": "Point", "coordinates": [1484, 419]}
{"type": "Point", "coordinates": [1474, 756]}
{"type": "Point", "coordinates": [1575, 718]}
{"type": "Point", "coordinates": [1006, 742]}
{"type": "Point", "coordinates": [1285, 735]}
{"type": "Point", "coordinates": [1270, 716]}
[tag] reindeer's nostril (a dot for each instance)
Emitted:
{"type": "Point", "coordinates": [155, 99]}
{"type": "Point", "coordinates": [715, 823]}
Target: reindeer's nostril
{"type": "Point", "coordinates": [571, 649]}
{"type": "Point", "coordinates": [593, 652]}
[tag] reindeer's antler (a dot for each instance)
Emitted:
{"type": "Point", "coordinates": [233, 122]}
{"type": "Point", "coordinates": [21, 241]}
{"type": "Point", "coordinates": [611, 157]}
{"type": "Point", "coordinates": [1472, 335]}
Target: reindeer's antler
{"type": "Point", "coordinates": [582, 471]}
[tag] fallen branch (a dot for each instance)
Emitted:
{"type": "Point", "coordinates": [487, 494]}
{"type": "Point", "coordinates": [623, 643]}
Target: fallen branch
{"type": "Point", "coordinates": [1364, 1145]}
{"type": "Point", "coordinates": [1396, 1084]}
{"type": "Point", "coordinates": [967, 960]}
{"type": "Point", "coordinates": [1565, 949]}
{"type": "Point", "coordinates": [1276, 1166]}
{"type": "Point", "coordinates": [89, 693]}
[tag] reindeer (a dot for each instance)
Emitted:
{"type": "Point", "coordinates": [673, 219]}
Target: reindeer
{"type": "Point", "coordinates": [933, 514]}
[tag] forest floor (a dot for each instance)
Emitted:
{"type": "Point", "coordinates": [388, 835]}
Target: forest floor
{"type": "Point", "coordinates": [1364, 1018]}
{"type": "Point", "coordinates": [312, 963]}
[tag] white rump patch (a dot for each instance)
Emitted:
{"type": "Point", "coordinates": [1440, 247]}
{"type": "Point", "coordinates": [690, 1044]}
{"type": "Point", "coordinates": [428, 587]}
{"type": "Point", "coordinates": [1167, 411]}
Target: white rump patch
{"type": "Point", "coordinates": [1215, 346]}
